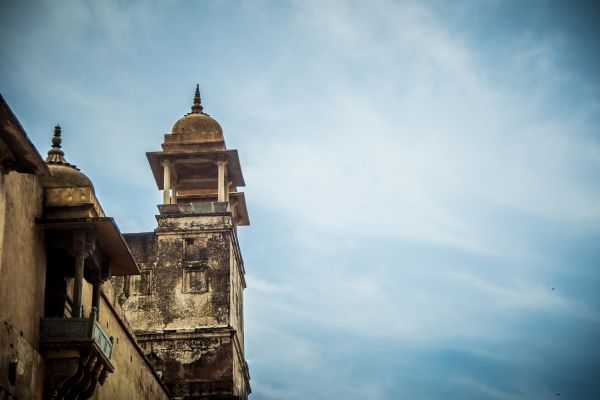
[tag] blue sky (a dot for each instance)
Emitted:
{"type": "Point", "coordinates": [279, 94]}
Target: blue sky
{"type": "Point", "coordinates": [422, 177]}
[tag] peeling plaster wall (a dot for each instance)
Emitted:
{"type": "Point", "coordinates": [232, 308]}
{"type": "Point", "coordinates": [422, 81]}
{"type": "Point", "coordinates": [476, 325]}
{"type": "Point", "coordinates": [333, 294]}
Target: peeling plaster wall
{"type": "Point", "coordinates": [240, 388]}
{"type": "Point", "coordinates": [192, 362]}
{"type": "Point", "coordinates": [183, 291]}
{"type": "Point", "coordinates": [22, 277]}
{"type": "Point", "coordinates": [133, 377]}
{"type": "Point", "coordinates": [187, 306]}
{"type": "Point", "coordinates": [22, 287]}
{"type": "Point", "coordinates": [236, 295]}
{"type": "Point", "coordinates": [237, 320]}
{"type": "Point", "coordinates": [24, 378]}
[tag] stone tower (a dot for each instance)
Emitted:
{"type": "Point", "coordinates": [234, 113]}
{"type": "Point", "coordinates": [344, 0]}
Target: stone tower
{"type": "Point", "coordinates": [186, 307]}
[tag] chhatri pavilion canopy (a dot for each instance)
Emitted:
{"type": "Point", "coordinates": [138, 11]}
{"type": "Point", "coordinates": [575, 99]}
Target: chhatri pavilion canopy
{"type": "Point", "coordinates": [195, 166]}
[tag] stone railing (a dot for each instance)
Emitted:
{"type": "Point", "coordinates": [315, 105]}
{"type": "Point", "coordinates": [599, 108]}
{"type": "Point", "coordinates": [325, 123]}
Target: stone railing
{"type": "Point", "coordinates": [77, 352]}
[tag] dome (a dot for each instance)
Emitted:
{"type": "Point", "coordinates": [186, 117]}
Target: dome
{"type": "Point", "coordinates": [196, 131]}
{"type": "Point", "coordinates": [198, 123]}
{"type": "Point", "coordinates": [67, 176]}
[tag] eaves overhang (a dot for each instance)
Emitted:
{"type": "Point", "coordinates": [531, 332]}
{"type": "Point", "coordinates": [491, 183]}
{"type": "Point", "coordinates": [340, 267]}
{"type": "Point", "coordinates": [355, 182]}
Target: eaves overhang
{"type": "Point", "coordinates": [109, 235]}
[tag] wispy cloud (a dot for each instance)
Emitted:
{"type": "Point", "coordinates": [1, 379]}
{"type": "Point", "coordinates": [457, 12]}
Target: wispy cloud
{"type": "Point", "coordinates": [418, 181]}
{"type": "Point", "coordinates": [436, 140]}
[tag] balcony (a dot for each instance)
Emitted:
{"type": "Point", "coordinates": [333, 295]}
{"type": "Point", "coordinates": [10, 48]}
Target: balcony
{"type": "Point", "coordinates": [78, 352]}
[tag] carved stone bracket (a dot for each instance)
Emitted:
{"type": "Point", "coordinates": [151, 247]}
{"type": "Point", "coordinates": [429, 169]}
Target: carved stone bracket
{"type": "Point", "coordinates": [77, 353]}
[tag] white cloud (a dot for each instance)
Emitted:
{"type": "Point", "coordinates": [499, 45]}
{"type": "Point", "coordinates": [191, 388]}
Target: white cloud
{"type": "Point", "coordinates": [399, 168]}
{"type": "Point", "coordinates": [409, 157]}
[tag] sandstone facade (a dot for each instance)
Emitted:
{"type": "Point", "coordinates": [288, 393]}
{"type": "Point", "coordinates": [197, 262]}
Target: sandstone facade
{"type": "Point", "coordinates": [86, 312]}
{"type": "Point", "coordinates": [186, 307]}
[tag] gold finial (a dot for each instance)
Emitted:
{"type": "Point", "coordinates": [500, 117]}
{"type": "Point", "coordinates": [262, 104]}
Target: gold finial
{"type": "Point", "coordinates": [56, 155]}
{"type": "Point", "coordinates": [197, 107]}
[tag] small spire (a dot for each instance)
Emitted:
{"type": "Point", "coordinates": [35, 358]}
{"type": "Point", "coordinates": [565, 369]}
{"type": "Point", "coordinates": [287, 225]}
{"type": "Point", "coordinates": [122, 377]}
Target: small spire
{"type": "Point", "coordinates": [56, 155]}
{"type": "Point", "coordinates": [197, 107]}
{"type": "Point", "coordinates": [57, 140]}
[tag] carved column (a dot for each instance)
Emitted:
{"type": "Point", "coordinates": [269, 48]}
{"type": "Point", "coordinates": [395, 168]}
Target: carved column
{"type": "Point", "coordinates": [96, 297]}
{"type": "Point", "coordinates": [99, 276]}
{"type": "Point", "coordinates": [227, 189]}
{"type": "Point", "coordinates": [221, 180]}
{"type": "Point", "coordinates": [174, 190]}
{"type": "Point", "coordinates": [167, 182]}
{"type": "Point", "coordinates": [79, 253]}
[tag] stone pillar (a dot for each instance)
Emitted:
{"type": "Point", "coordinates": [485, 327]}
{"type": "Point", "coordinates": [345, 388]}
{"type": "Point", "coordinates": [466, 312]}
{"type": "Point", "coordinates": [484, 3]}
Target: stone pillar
{"type": "Point", "coordinates": [96, 298]}
{"type": "Point", "coordinates": [227, 189]}
{"type": "Point", "coordinates": [221, 180]}
{"type": "Point", "coordinates": [167, 182]}
{"type": "Point", "coordinates": [174, 190]}
{"type": "Point", "coordinates": [79, 254]}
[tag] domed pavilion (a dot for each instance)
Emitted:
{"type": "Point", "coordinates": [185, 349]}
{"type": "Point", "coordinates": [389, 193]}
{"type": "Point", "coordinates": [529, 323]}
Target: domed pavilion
{"type": "Point", "coordinates": [195, 165]}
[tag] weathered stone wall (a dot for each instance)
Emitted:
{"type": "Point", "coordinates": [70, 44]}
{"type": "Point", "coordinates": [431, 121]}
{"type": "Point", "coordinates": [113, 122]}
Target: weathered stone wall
{"type": "Point", "coordinates": [186, 309]}
{"type": "Point", "coordinates": [193, 362]}
{"type": "Point", "coordinates": [134, 377]}
{"type": "Point", "coordinates": [238, 284]}
{"type": "Point", "coordinates": [22, 277]}
{"type": "Point", "coordinates": [240, 369]}
{"type": "Point", "coordinates": [184, 283]}
{"type": "Point", "coordinates": [22, 287]}
{"type": "Point", "coordinates": [234, 297]}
